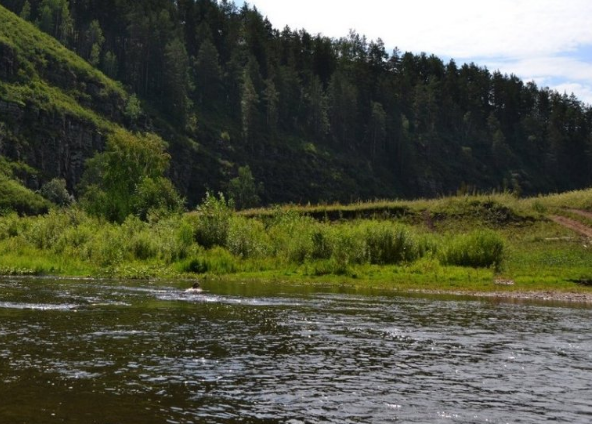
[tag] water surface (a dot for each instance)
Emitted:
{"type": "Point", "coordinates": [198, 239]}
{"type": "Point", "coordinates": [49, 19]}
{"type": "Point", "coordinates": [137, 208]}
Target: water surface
{"type": "Point", "coordinates": [140, 352]}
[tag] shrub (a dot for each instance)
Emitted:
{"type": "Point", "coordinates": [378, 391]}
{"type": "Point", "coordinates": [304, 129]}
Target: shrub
{"type": "Point", "coordinates": [107, 248]}
{"type": "Point", "coordinates": [11, 226]}
{"type": "Point", "coordinates": [174, 238]}
{"type": "Point", "coordinates": [322, 245]}
{"type": "Point", "coordinates": [56, 192]}
{"type": "Point", "coordinates": [349, 247]}
{"type": "Point", "coordinates": [291, 236]}
{"type": "Point", "coordinates": [480, 248]}
{"type": "Point", "coordinates": [211, 226]}
{"type": "Point", "coordinates": [138, 240]}
{"type": "Point", "coordinates": [389, 244]}
{"type": "Point", "coordinates": [247, 238]}
{"type": "Point", "coordinates": [45, 231]}
{"type": "Point", "coordinates": [219, 261]}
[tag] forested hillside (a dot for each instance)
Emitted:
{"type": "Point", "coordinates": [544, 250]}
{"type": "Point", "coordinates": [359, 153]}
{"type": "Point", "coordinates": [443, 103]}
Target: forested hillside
{"type": "Point", "coordinates": [315, 118]}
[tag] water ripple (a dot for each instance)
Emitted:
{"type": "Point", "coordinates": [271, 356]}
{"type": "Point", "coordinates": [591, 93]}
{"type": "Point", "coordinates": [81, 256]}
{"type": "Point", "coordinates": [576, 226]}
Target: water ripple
{"type": "Point", "coordinates": [157, 354]}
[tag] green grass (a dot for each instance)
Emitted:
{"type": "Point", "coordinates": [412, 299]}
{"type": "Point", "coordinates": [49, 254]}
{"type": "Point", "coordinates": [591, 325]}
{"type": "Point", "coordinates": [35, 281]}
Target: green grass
{"type": "Point", "coordinates": [462, 250]}
{"type": "Point", "coordinates": [40, 50]}
{"type": "Point", "coordinates": [15, 197]}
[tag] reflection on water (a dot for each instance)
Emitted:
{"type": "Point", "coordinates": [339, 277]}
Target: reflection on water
{"type": "Point", "coordinates": [109, 352]}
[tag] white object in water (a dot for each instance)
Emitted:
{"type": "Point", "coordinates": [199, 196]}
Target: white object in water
{"type": "Point", "coordinates": [194, 289]}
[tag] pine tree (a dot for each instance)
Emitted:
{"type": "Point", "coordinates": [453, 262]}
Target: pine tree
{"type": "Point", "coordinates": [377, 127]}
{"type": "Point", "coordinates": [249, 105]}
{"type": "Point", "coordinates": [26, 11]}
{"type": "Point", "coordinates": [95, 41]}
{"type": "Point", "coordinates": [176, 81]}
{"type": "Point", "coordinates": [271, 96]}
{"type": "Point", "coordinates": [208, 74]}
{"type": "Point", "coordinates": [318, 119]}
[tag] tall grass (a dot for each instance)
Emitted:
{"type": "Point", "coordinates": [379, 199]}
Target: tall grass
{"type": "Point", "coordinates": [389, 244]}
{"type": "Point", "coordinates": [480, 248]}
{"type": "Point", "coordinates": [217, 240]}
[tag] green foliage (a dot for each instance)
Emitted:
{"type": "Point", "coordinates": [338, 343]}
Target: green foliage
{"type": "Point", "coordinates": [243, 190]}
{"type": "Point", "coordinates": [249, 103]}
{"type": "Point", "coordinates": [373, 124]}
{"type": "Point", "coordinates": [156, 196]}
{"type": "Point", "coordinates": [56, 192]}
{"type": "Point", "coordinates": [110, 65]}
{"type": "Point", "coordinates": [11, 225]}
{"type": "Point", "coordinates": [208, 74]}
{"type": "Point", "coordinates": [213, 221]}
{"type": "Point", "coordinates": [127, 178]}
{"type": "Point", "coordinates": [216, 261]}
{"type": "Point", "coordinates": [480, 248]}
{"type": "Point", "coordinates": [133, 108]}
{"type": "Point", "coordinates": [390, 244]}
{"type": "Point", "coordinates": [55, 19]}
{"type": "Point", "coordinates": [14, 197]}
{"type": "Point", "coordinates": [292, 237]}
{"type": "Point", "coordinates": [26, 11]}
{"type": "Point", "coordinates": [95, 40]}
{"type": "Point", "coordinates": [247, 238]}
{"type": "Point", "coordinates": [349, 248]}
{"type": "Point", "coordinates": [176, 82]}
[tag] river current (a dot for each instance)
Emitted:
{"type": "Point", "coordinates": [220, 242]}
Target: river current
{"type": "Point", "coordinates": [142, 352]}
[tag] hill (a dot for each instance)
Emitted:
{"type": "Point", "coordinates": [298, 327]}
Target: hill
{"type": "Point", "coordinates": [316, 119]}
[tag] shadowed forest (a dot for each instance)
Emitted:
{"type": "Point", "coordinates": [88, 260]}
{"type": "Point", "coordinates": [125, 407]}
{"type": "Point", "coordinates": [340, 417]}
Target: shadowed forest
{"type": "Point", "coordinates": [312, 119]}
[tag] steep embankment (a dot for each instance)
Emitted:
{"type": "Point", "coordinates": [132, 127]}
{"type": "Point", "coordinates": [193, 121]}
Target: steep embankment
{"type": "Point", "coordinates": [55, 109]}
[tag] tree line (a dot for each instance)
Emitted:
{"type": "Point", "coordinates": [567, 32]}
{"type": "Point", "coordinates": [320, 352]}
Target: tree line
{"type": "Point", "coordinates": [431, 127]}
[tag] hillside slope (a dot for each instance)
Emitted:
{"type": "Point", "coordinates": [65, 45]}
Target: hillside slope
{"type": "Point", "coordinates": [316, 119]}
{"type": "Point", "coordinates": [54, 107]}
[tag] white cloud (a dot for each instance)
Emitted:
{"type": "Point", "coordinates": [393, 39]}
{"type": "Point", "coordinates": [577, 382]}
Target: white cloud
{"type": "Point", "coordinates": [530, 38]}
{"type": "Point", "coordinates": [583, 92]}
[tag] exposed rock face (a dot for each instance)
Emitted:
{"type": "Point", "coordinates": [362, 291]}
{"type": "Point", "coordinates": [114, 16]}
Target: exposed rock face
{"type": "Point", "coordinates": [55, 144]}
{"type": "Point", "coordinates": [50, 139]}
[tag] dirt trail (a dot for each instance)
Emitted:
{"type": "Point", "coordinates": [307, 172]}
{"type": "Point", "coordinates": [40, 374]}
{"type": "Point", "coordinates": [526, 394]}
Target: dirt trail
{"type": "Point", "coordinates": [580, 212]}
{"type": "Point", "coordinates": [573, 224]}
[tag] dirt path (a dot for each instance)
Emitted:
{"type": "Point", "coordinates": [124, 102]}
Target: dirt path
{"type": "Point", "coordinates": [580, 212]}
{"type": "Point", "coordinates": [572, 224]}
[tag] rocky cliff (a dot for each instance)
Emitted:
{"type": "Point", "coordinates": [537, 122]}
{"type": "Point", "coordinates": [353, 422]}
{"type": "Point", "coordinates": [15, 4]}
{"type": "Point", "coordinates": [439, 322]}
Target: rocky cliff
{"type": "Point", "coordinates": [55, 109]}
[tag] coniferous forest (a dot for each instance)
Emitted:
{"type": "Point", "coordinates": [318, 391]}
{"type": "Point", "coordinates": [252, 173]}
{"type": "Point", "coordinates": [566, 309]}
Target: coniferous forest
{"type": "Point", "coordinates": [308, 118]}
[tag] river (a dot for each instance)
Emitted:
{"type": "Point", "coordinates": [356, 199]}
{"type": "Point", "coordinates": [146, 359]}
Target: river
{"type": "Point", "coordinates": [145, 352]}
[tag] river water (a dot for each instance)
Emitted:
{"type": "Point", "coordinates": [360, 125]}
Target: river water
{"type": "Point", "coordinates": [141, 352]}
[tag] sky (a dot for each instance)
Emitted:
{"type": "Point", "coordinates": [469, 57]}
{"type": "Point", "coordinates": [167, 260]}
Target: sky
{"type": "Point", "coordinates": [545, 41]}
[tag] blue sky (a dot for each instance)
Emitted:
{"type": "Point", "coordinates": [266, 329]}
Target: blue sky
{"type": "Point", "coordinates": [546, 41]}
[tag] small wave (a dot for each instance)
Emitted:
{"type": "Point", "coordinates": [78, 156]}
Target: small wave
{"type": "Point", "coordinates": [38, 306]}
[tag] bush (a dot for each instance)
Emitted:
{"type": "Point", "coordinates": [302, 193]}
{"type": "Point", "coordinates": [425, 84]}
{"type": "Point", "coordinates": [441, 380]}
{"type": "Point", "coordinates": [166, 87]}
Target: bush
{"type": "Point", "coordinates": [247, 238]}
{"type": "Point", "coordinates": [291, 237]}
{"type": "Point", "coordinates": [481, 248]}
{"type": "Point", "coordinates": [218, 261]}
{"type": "Point", "coordinates": [349, 247]}
{"type": "Point", "coordinates": [107, 248]}
{"type": "Point", "coordinates": [389, 244]}
{"type": "Point", "coordinates": [56, 192]}
{"type": "Point", "coordinates": [11, 226]}
{"type": "Point", "coordinates": [322, 244]}
{"type": "Point", "coordinates": [213, 221]}
{"type": "Point", "coordinates": [174, 238]}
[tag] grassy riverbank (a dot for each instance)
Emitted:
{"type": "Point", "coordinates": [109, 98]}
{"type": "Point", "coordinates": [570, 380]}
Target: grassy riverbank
{"type": "Point", "coordinates": [464, 243]}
